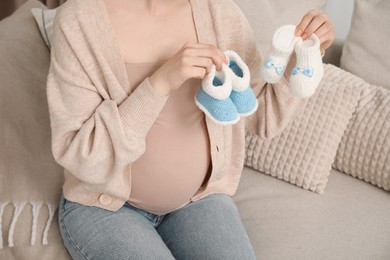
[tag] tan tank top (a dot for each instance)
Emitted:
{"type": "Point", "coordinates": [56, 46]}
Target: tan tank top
{"type": "Point", "coordinates": [176, 161]}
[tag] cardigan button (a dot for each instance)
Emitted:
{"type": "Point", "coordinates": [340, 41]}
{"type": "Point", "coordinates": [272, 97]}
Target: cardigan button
{"type": "Point", "coordinates": [105, 199]}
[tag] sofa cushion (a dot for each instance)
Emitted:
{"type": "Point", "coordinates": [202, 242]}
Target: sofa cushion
{"type": "Point", "coordinates": [31, 180]}
{"type": "Point", "coordinates": [364, 150]}
{"type": "Point", "coordinates": [349, 221]}
{"type": "Point", "coordinates": [366, 52]}
{"type": "Point", "coordinates": [303, 153]}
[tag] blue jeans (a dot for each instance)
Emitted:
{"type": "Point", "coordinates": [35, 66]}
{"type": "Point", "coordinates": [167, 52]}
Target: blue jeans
{"type": "Point", "coordinates": [209, 228]}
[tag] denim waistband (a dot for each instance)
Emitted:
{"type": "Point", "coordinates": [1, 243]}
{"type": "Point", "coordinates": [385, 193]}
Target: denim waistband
{"type": "Point", "coordinates": [153, 218]}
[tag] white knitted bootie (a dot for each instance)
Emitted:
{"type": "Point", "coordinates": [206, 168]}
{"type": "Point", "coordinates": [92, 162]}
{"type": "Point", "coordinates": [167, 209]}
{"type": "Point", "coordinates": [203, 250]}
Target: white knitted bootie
{"type": "Point", "coordinates": [242, 94]}
{"type": "Point", "coordinates": [278, 56]}
{"type": "Point", "coordinates": [309, 70]}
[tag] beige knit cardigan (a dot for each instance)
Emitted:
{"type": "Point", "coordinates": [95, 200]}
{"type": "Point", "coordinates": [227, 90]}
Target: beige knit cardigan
{"type": "Point", "coordinates": [99, 126]}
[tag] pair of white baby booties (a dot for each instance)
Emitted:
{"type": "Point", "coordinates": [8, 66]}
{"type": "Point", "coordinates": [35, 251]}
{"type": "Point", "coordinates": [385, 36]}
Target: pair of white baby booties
{"type": "Point", "coordinates": [308, 70]}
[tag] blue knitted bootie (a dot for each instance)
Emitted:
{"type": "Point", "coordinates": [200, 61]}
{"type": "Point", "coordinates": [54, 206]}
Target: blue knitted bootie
{"type": "Point", "coordinates": [213, 97]}
{"type": "Point", "coordinates": [242, 94]}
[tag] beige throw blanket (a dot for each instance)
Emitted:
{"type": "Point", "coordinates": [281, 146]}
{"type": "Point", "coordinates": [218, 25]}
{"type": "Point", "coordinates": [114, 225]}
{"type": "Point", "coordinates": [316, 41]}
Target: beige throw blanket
{"type": "Point", "coordinates": [30, 179]}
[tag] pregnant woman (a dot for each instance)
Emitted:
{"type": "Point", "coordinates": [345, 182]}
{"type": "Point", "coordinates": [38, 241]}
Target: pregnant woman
{"type": "Point", "coordinates": [147, 174]}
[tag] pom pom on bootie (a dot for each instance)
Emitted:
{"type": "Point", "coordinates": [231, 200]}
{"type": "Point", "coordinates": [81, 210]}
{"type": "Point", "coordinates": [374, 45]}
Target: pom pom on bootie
{"type": "Point", "coordinates": [283, 43]}
{"type": "Point", "coordinates": [242, 94]}
{"type": "Point", "coordinates": [213, 97]}
{"type": "Point", "coordinates": [309, 70]}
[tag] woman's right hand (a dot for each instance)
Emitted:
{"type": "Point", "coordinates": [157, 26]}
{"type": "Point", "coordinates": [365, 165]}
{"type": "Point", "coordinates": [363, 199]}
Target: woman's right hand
{"type": "Point", "coordinates": [193, 60]}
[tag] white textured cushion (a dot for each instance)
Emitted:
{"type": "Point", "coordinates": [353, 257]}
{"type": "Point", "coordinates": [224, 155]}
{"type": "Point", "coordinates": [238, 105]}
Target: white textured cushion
{"type": "Point", "coordinates": [364, 151]}
{"type": "Point", "coordinates": [303, 153]}
{"type": "Point", "coordinates": [366, 52]}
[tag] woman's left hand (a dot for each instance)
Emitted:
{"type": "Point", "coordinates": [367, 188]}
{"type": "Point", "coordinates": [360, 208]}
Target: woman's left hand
{"type": "Point", "coordinates": [316, 22]}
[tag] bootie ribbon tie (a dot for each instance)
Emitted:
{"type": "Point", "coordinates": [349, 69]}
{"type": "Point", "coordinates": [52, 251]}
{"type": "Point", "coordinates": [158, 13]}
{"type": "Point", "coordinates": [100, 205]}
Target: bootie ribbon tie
{"type": "Point", "coordinates": [307, 71]}
{"type": "Point", "coordinates": [279, 68]}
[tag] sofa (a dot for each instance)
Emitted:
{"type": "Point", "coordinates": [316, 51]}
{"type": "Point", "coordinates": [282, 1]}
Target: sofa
{"type": "Point", "coordinates": [330, 201]}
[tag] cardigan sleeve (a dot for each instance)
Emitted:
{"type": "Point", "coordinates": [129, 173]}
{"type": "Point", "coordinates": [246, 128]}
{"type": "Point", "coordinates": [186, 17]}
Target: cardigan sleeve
{"type": "Point", "coordinates": [93, 136]}
{"type": "Point", "coordinates": [277, 106]}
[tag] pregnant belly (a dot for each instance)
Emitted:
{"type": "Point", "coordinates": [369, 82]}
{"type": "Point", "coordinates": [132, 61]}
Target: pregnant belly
{"type": "Point", "coordinates": [171, 170]}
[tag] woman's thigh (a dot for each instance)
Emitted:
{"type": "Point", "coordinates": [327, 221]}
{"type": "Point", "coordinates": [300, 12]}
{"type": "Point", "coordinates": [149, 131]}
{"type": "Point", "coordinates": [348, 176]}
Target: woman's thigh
{"type": "Point", "coordinates": [95, 233]}
{"type": "Point", "coordinates": [210, 228]}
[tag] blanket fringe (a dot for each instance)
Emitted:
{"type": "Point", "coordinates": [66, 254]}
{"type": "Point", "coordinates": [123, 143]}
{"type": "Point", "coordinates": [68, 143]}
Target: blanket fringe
{"type": "Point", "coordinates": [52, 210]}
{"type": "Point", "coordinates": [2, 206]}
{"type": "Point", "coordinates": [36, 207]}
{"type": "Point", "coordinates": [18, 209]}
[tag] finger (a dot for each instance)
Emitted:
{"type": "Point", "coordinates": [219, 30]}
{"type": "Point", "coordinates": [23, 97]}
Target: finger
{"type": "Point", "coordinates": [324, 29]}
{"type": "Point", "coordinates": [191, 47]}
{"type": "Point", "coordinates": [307, 18]}
{"type": "Point", "coordinates": [221, 55]}
{"type": "Point", "coordinates": [222, 59]}
{"type": "Point", "coordinates": [205, 63]}
{"type": "Point", "coordinates": [201, 62]}
{"type": "Point", "coordinates": [326, 40]}
{"type": "Point", "coordinates": [213, 53]}
{"type": "Point", "coordinates": [212, 47]}
{"type": "Point", "coordinates": [197, 72]}
{"type": "Point", "coordinates": [196, 45]}
{"type": "Point", "coordinates": [316, 23]}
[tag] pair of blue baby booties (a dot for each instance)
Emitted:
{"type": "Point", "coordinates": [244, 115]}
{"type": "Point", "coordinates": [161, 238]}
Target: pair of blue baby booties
{"type": "Point", "coordinates": [225, 96]}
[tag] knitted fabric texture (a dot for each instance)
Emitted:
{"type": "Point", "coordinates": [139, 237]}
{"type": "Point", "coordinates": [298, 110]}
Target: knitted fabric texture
{"type": "Point", "coordinates": [239, 71]}
{"type": "Point", "coordinates": [309, 70]}
{"type": "Point", "coordinates": [283, 43]}
{"type": "Point", "coordinates": [245, 102]}
{"type": "Point", "coordinates": [364, 151]}
{"type": "Point", "coordinates": [213, 97]}
{"type": "Point", "coordinates": [242, 94]}
{"type": "Point", "coordinates": [303, 153]}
